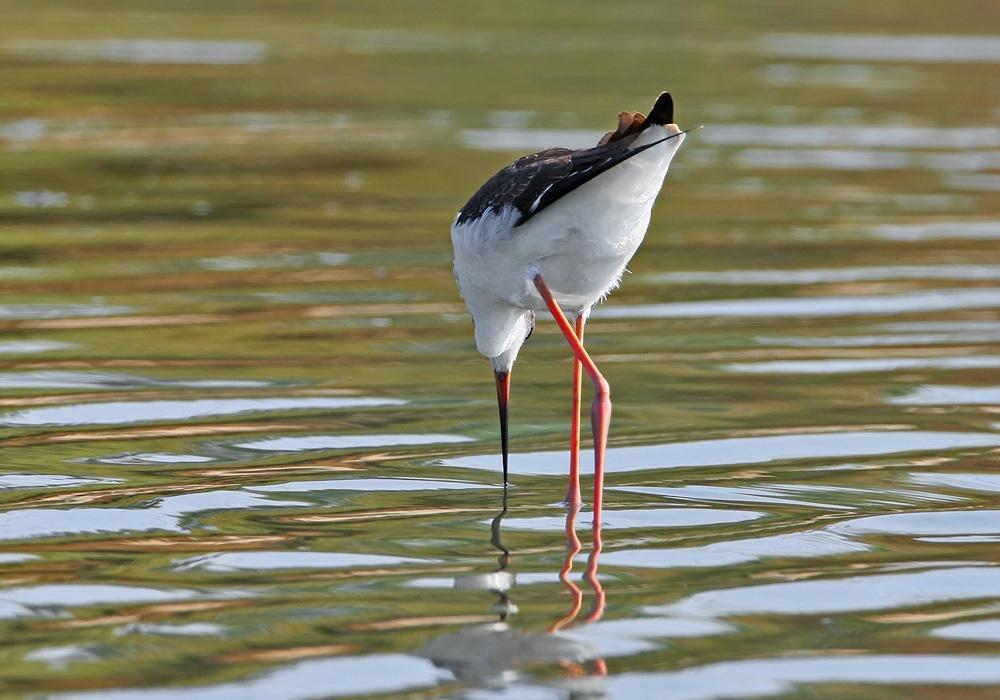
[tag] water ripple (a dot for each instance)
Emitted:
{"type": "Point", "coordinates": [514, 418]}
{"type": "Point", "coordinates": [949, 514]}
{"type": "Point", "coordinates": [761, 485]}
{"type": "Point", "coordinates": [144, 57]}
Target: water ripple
{"type": "Point", "coordinates": [930, 48]}
{"type": "Point", "coordinates": [123, 412]}
{"type": "Point", "coordinates": [168, 514]}
{"type": "Point", "coordinates": [977, 631]}
{"type": "Point", "coordinates": [956, 522]}
{"type": "Point", "coordinates": [851, 594]}
{"type": "Point", "coordinates": [186, 51]}
{"type": "Point", "coordinates": [346, 442]}
{"type": "Point", "coordinates": [873, 364]}
{"type": "Point", "coordinates": [226, 562]}
{"type": "Point", "coordinates": [830, 275]}
{"type": "Point", "coordinates": [746, 450]}
{"type": "Point", "coordinates": [337, 677]}
{"type": "Point", "coordinates": [644, 518]}
{"type": "Point", "coordinates": [26, 311]}
{"type": "Point", "coordinates": [949, 396]}
{"type": "Point", "coordinates": [770, 677]}
{"type": "Point", "coordinates": [368, 485]}
{"type": "Point", "coordinates": [63, 379]}
{"type": "Point", "coordinates": [39, 601]}
{"type": "Point", "coordinates": [10, 482]}
{"type": "Point", "coordinates": [984, 230]}
{"type": "Point", "coordinates": [733, 552]}
{"type": "Point", "coordinates": [853, 136]}
{"type": "Point", "coordinates": [846, 305]}
{"type": "Point", "coordinates": [30, 347]}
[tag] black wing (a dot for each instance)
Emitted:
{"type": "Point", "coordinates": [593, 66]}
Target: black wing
{"type": "Point", "coordinates": [532, 183]}
{"type": "Point", "coordinates": [519, 184]}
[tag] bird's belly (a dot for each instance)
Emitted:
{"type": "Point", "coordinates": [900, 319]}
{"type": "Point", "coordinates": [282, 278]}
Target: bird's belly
{"type": "Point", "coordinates": [582, 251]}
{"type": "Point", "coordinates": [577, 258]}
{"type": "Point", "coordinates": [589, 267]}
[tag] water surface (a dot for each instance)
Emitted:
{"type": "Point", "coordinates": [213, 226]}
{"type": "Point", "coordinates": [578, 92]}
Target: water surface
{"type": "Point", "coordinates": [248, 449]}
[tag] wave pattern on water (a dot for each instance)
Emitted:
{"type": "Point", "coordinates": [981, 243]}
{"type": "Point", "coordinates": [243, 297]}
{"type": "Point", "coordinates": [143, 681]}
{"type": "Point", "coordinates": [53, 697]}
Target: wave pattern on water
{"type": "Point", "coordinates": [248, 449]}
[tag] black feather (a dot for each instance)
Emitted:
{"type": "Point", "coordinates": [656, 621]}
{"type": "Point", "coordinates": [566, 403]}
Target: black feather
{"type": "Point", "coordinates": [663, 111]}
{"type": "Point", "coordinates": [532, 183]}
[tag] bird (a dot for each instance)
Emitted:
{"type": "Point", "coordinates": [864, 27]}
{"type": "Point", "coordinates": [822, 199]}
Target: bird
{"type": "Point", "coordinates": [554, 230]}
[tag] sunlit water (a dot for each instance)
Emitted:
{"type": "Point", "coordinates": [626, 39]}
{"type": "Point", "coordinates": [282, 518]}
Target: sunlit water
{"type": "Point", "coordinates": [249, 450]}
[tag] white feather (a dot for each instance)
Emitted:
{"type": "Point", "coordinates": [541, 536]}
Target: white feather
{"type": "Point", "coordinates": [580, 244]}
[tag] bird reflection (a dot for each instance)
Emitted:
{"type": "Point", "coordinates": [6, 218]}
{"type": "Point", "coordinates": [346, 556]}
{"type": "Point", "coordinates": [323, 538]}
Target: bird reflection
{"type": "Point", "coordinates": [573, 548]}
{"type": "Point", "coordinates": [493, 654]}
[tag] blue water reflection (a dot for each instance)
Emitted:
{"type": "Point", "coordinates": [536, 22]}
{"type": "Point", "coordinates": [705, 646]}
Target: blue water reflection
{"type": "Point", "coordinates": [343, 442]}
{"type": "Point", "coordinates": [746, 450]}
{"type": "Point", "coordinates": [47, 311]}
{"type": "Point", "coordinates": [956, 522]}
{"type": "Point", "coordinates": [772, 677]}
{"type": "Point", "coordinates": [248, 448]}
{"type": "Point", "coordinates": [170, 514]}
{"type": "Point", "coordinates": [375, 485]}
{"type": "Point", "coordinates": [976, 631]}
{"type": "Point", "coordinates": [12, 482]}
{"type": "Point", "coordinates": [737, 551]}
{"type": "Point", "coordinates": [845, 305]}
{"type": "Point", "coordinates": [226, 562]}
{"type": "Point", "coordinates": [849, 594]}
{"type": "Point", "coordinates": [124, 412]}
{"type": "Point", "coordinates": [879, 364]}
{"type": "Point", "coordinates": [647, 517]}
{"type": "Point", "coordinates": [62, 379]}
{"type": "Point", "coordinates": [949, 395]}
{"type": "Point", "coordinates": [830, 275]}
{"type": "Point", "coordinates": [335, 677]}
{"type": "Point", "coordinates": [41, 600]}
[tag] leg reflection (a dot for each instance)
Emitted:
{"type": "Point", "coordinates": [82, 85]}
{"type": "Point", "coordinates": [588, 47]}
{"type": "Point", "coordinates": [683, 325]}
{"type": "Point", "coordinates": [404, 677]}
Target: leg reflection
{"type": "Point", "coordinates": [573, 548]}
{"type": "Point", "coordinates": [493, 654]}
{"type": "Point", "coordinates": [597, 609]}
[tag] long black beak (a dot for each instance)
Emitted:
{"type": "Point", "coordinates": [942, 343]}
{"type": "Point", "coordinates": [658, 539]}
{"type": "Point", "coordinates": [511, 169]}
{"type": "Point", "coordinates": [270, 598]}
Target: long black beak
{"type": "Point", "coordinates": [503, 395]}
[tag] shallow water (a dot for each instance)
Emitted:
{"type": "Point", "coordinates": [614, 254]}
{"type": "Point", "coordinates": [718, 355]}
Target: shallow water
{"type": "Point", "coordinates": [248, 450]}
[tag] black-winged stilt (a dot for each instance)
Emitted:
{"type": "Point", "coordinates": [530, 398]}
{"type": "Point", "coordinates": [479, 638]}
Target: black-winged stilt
{"type": "Point", "coordinates": [555, 230]}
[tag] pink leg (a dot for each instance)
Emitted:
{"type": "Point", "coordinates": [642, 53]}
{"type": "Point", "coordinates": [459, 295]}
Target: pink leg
{"type": "Point", "coordinates": [600, 409]}
{"type": "Point", "coordinates": [573, 495]}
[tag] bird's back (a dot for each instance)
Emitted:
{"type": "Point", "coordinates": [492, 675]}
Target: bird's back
{"type": "Point", "coordinates": [574, 216]}
{"type": "Point", "coordinates": [581, 240]}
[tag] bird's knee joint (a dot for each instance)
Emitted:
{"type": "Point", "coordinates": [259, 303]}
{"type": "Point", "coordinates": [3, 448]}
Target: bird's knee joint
{"type": "Point", "coordinates": [602, 390]}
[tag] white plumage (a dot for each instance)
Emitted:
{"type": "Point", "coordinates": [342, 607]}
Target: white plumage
{"type": "Point", "coordinates": [580, 244]}
{"type": "Point", "coordinates": [555, 230]}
